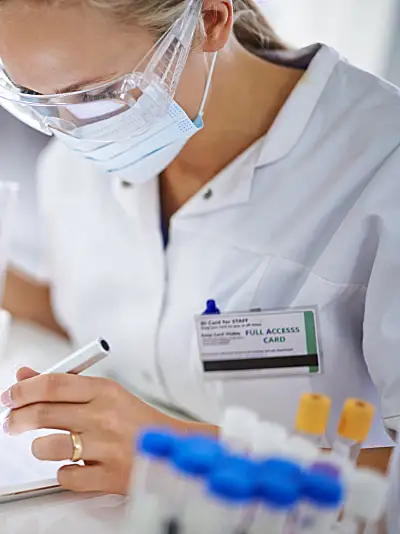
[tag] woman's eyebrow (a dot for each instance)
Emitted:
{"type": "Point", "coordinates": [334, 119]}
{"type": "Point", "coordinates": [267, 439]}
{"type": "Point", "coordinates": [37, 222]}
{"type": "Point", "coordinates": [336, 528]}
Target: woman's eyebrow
{"type": "Point", "coordinates": [86, 84]}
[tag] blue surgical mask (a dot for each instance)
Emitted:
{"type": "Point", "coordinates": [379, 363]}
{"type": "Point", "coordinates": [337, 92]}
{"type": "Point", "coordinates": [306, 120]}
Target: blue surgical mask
{"type": "Point", "coordinates": [143, 157]}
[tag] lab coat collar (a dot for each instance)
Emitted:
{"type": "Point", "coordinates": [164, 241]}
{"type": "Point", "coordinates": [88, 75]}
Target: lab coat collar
{"type": "Point", "coordinates": [296, 113]}
{"type": "Point", "coordinates": [233, 186]}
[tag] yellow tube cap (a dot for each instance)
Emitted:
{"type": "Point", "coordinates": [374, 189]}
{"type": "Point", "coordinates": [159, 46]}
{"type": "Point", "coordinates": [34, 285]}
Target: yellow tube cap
{"type": "Point", "coordinates": [313, 414]}
{"type": "Point", "coordinates": [356, 420]}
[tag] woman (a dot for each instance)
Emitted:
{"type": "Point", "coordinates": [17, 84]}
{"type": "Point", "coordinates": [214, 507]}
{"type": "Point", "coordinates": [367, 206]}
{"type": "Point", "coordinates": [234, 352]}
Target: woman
{"type": "Point", "coordinates": [287, 197]}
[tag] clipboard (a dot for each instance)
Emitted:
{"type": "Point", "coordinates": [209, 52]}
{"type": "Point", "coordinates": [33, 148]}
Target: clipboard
{"type": "Point", "coordinates": [22, 476]}
{"type": "Point", "coordinates": [29, 491]}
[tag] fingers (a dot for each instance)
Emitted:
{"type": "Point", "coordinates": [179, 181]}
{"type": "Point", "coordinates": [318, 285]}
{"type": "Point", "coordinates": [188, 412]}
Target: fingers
{"type": "Point", "coordinates": [59, 447]}
{"type": "Point", "coordinates": [93, 478]}
{"type": "Point", "coordinates": [55, 448]}
{"type": "Point", "coordinates": [24, 373]}
{"type": "Point", "coordinates": [53, 416]}
{"type": "Point", "coordinates": [51, 388]}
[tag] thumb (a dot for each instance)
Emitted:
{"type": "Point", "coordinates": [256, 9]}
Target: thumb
{"type": "Point", "coordinates": [24, 373]}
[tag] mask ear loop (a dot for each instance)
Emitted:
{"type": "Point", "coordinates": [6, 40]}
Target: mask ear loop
{"type": "Point", "coordinates": [208, 85]}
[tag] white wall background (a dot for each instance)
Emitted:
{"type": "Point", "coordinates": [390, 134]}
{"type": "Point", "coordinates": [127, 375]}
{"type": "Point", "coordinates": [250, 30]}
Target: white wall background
{"type": "Point", "coordinates": [394, 63]}
{"type": "Point", "coordinates": [362, 30]}
{"type": "Point", "coordinates": [19, 148]}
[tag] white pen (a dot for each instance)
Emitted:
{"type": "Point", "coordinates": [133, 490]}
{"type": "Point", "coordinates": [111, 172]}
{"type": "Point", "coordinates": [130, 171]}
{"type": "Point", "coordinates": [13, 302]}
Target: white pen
{"type": "Point", "coordinates": [77, 362]}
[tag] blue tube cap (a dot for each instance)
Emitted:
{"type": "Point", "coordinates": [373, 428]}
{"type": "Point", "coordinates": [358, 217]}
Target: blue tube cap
{"type": "Point", "coordinates": [197, 455]}
{"type": "Point", "coordinates": [234, 481]}
{"type": "Point", "coordinates": [239, 463]}
{"type": "Point", "coordinates": [285, 468]}
{"type": "Point", "coordinates": [157, 443]}
{"type": "Point", "coordinates": [326, 468]}
{"type": "Point", "coordinates": [322, 490]}
{"type": "Point", "coordinates": [279, 491]}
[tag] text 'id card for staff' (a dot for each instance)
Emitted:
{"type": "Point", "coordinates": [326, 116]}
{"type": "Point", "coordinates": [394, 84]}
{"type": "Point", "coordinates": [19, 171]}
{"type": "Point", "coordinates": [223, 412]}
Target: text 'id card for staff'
{"type": "Point", "coordinates": [259, 344]}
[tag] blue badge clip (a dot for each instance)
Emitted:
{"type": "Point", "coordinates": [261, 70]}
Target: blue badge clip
{"type": "Point", "coordinates": [211, 308]}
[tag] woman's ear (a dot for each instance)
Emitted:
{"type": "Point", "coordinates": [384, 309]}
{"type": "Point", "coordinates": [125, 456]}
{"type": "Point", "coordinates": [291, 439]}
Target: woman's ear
{"type": "Point", "coordinates": [218, 23]}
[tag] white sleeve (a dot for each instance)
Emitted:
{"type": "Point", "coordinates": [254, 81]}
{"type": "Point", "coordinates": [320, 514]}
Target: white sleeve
{"type": "Point", "coordinates": [381, 339]}
{"type": "Point", "coordinates": [54, 164]}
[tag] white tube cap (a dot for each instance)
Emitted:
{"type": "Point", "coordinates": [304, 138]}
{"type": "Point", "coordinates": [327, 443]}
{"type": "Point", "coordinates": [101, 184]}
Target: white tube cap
{"type": "Point", "coordinates": [238, 427]}
{"type": "Point", "coordinates": [367, 495]}
{"type": "Point", "coordinates": [269, 439]}
{"type": "Point", "coordinates": [301, 449]}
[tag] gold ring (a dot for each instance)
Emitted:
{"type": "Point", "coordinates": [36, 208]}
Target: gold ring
{"type": "Point", "coordinates": [77, 446]}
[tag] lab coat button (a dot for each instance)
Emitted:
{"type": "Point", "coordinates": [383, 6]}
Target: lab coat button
{"type": "Point", "coordinates": [208, 194]}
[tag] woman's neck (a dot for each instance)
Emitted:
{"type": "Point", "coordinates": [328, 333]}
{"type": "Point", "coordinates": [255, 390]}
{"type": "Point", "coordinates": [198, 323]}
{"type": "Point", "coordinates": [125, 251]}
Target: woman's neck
{"type": "Point", "coordinates": [246, 95]}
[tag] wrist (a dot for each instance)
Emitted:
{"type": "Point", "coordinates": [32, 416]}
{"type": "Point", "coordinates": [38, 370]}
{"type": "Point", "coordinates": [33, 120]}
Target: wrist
{"type": "Point", "coordinates": [183, 427]}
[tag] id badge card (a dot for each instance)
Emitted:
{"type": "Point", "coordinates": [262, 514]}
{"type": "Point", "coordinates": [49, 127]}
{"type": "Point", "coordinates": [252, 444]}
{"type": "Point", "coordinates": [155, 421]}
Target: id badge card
{"type": "Point", "coordinates": [255, 344]}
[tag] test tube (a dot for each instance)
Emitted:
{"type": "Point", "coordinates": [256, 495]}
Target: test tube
{"type": "Point", "coordinates": [365, 501]}
{"type": "Point", "coordinates": [231, 493]}
{"type": "Point", "coordinates": [192, 461]}
{"type": "Point", "coordinates": [353, 429]}
{"type": "Point", "coordinates": [151, 479]}
{"type": "Point", "coordinates": [237, 429]}
{"type": "Point", "coordinates": [393, 505]}
{"type": "Point", "coordinates": [313, 417]}
{"type": "Point", "coordinates": [322, 497]}
{"type": "Point", "coordinates": [273, 467]}
{"type": "Point", "coordinates": [279, 491]}
{"type": "Point", "coordinates": [269, 439]}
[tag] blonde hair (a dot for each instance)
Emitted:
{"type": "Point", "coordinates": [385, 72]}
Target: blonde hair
{"type": "Point", "coordinates": [251, 27]}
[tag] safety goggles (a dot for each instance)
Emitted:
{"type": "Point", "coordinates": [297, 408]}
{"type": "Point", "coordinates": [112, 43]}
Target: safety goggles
{"type": "Point", "coordinates": [116, 110]}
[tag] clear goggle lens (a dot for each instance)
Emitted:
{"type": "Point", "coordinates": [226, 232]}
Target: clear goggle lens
{"type": "Point", "coordinates": [118, 110]}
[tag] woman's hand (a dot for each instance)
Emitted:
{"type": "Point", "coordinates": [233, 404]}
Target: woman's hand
{"type": "Point", "coordinates": [105, 415]}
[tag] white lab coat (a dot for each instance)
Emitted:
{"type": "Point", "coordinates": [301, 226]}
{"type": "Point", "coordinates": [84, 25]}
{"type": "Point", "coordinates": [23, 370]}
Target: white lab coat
{"type": "Point", "coordinates": [310, 215]}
